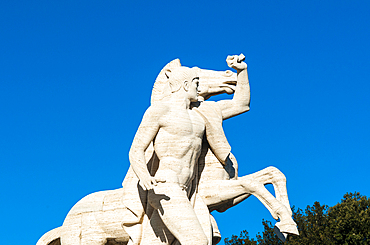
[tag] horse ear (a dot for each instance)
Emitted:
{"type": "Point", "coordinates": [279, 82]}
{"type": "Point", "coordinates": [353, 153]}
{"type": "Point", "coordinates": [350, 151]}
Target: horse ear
{"type": "Point", "coordinates": [161, 82]}
{"type": "Point", "coordinates": [168, 72]}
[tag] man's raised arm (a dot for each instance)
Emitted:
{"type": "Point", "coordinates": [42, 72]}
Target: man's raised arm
{"type": "Point", "coordinates": [148, 129]}
{"type": "Point", "coordinates": [241, 100]}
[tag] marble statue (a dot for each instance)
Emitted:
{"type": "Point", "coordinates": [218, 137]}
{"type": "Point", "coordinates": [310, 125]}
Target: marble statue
{"type": "Point", "coordinates": [181, 170]}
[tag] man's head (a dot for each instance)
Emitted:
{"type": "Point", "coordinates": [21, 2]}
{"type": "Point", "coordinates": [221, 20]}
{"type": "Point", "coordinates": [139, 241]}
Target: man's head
{"type": "Point", "coordinates": [184, 77]}
{"type": "Point", "coordinates": [178, 75]}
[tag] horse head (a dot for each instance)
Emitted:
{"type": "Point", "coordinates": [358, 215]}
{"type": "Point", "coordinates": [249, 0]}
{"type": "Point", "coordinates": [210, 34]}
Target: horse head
{"type": "Point", "coordinates": [216, 82]}
{"type": "Point", "coordinates": [210, 82]}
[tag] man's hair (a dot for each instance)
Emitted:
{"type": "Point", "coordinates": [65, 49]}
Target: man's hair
{"type": "Point", "coordinates": [178, 75]}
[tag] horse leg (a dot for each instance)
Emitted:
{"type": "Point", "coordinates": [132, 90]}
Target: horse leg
{"type": "Point", "coordinates": [222, 194]}
{"type": "Point", "coordinates": [218, 193]}
{"type": "Point", "coordinates": [236, 190]}
{"type": "Point", "coordinates": [269, 175]}
{"type": "Point", "coordinates": [272, 175]}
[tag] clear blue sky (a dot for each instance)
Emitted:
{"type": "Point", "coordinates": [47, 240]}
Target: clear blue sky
{"type": "Point", "coordinates": [76, 78]}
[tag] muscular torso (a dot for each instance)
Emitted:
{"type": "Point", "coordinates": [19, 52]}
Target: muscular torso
{"type": "Point", "coordinates": [178, 144]}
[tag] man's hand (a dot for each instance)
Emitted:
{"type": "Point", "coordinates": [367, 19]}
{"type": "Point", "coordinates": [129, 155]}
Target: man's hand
{"type": "Point", "coordinates": [149, 182]}
{"type": "Point", "coordinates": [241, 99]}
{"type": "Point", "coordinates": [236, 62]}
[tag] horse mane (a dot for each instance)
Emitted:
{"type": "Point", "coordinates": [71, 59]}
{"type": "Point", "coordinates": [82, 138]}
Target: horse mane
{"type": "Point", "coordinates": [161, 81]}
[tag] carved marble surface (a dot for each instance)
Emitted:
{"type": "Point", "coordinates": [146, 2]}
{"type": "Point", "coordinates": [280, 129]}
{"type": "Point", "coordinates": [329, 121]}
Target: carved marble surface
{"type": "Point", "coordinates": [181, 170]}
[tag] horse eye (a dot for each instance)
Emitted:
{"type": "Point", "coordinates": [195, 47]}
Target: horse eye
{"type": "Point", "coordinates": [228, 73]}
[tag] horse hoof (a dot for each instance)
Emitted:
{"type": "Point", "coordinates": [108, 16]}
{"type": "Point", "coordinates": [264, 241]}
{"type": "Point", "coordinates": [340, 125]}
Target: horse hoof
{"type": "Point", "coordinates": [283, 229]}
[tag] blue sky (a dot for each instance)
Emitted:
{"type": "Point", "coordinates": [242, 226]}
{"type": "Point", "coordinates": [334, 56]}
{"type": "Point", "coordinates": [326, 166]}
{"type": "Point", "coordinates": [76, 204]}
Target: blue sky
{"type": "Point", "coordinates": [76, 78]}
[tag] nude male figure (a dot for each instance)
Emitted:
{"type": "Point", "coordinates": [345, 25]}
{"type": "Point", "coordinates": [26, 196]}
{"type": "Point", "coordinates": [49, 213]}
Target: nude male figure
{"type": "Point", "coordinates": [177, 132]}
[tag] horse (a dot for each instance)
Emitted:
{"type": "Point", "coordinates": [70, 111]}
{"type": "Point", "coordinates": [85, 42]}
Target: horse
{"type": "Point", "coordinates": [104, 218]}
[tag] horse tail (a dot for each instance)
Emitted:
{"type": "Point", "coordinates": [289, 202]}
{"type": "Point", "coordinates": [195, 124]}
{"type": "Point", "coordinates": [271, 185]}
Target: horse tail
{"type": "Point", "coordinates": [51, 237]}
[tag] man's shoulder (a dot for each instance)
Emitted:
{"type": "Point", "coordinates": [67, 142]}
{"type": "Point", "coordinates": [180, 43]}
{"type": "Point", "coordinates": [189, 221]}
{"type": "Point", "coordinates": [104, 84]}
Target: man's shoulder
{"type": "Point", "coordinates": [158, 109]}
{"type": "Point", "coordinates": [207, 106]}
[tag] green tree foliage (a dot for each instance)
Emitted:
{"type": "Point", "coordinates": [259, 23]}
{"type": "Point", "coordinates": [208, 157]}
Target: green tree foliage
{"type": "Point", "coordinates": [347, 222]}
{"type": "Point", "coordinates": [242, 239]}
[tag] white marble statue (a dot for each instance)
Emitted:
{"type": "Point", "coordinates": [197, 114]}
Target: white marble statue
{"type": "Point", "coordinates": [181, 169]}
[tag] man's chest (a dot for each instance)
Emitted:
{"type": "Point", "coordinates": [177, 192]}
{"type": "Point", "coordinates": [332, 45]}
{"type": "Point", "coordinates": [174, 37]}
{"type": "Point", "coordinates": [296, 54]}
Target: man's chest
{"type": "Point", "coordinates": [186, 123]}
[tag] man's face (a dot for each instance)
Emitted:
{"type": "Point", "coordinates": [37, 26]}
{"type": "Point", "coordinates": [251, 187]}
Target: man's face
{"type": "Point", "coordinates": [193, 90]}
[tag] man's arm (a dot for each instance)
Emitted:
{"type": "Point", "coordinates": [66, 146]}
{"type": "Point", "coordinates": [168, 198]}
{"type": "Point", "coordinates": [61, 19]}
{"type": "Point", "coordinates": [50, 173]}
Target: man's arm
{"type": "Point", "coordinates": [241, 100]}
{"type": "Point", "coordinates": [148, 129]}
